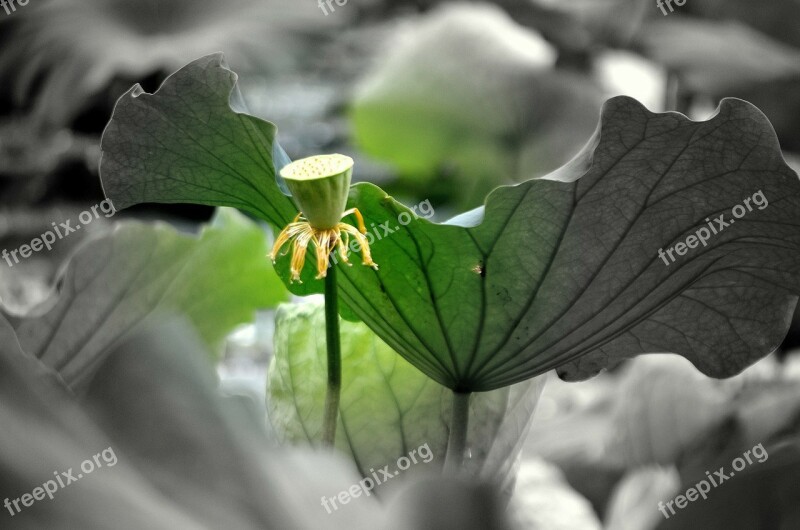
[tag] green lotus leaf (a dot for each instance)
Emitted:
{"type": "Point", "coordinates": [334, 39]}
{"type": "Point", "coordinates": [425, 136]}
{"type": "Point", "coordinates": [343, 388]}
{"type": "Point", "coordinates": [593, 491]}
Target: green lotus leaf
{"type": "Point", "coordinates": [596, 262]}
{"type": "Point", "coordinates": [388, 408]}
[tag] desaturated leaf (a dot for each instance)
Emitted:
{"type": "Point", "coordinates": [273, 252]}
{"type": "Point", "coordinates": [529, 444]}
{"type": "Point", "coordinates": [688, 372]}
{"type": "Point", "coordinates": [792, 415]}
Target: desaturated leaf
{"type": "Point", "coordinates": [561, 272]}
{"type": "Point", "coordinates": [155, 404]}
{"type": "Point", "coordinates": [183, 456]}
{"type": "Point", "coordinates": [763, 495]}
{"type": "Point", "coordinates": [388, 408]}
{"type": "Point", "coordinates": [775, 21]}
{"type": "Point", "coordinates": [218, 279]}
{"type": "Point", "coordinates": [568, 275]}
{"type": "Point", "coordinates": [572, 429]}
{"type": "Point", "coordinates": [702, 54]}
{"type": "Point", "coordinates": [763, 412]}
{"type": "Point", "coordinates": [658, 411]}
{"type": "Point", "coordinates": [543, 499]}
{"type": "Point", "coordinates": [611, 22]}
{"type": "Point", "coordinates": [157, 400]}
{"type": "Point", "coordinates": [47, 431]}
{"type": "Point", "coordinates": [779, 100]}
{"type": "Point", "coordinates": [57, 58]}
{"type": "Point", "coordinates": [477, 506]}
{"type": "Point", "coordinates": [635, 499]}
{"type": "Point", "coordinates": [662, 407]}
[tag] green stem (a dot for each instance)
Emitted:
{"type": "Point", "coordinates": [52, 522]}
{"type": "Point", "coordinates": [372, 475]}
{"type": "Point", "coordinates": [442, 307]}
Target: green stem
{"type": "Point", "coordinates": [457, 442]}
{"type": "Point", "coordinates": [334, 359]}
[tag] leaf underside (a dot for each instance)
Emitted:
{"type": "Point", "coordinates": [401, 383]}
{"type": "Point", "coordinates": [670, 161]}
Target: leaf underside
{"type": "Point", "coordinates": [561, 272]}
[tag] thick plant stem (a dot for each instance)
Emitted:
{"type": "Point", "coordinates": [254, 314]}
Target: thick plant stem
{"type": "Point", "coordinates": [457, 442]}
{"type": "Point", "coordinates": [334, 359]}
{"type": "Point", "coordinates": [675, 95]}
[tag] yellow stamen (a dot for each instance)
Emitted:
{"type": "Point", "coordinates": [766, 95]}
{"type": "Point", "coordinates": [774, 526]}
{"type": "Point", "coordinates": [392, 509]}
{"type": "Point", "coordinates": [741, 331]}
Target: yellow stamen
{"type": "Point", "coordinates": [366, 255]}
{"type": "Point", "coordinates": [325, 240]}
{"type": "Point", "coordinates": [360, 219]}
{"type": "Point", "coordinates": [299, 254]}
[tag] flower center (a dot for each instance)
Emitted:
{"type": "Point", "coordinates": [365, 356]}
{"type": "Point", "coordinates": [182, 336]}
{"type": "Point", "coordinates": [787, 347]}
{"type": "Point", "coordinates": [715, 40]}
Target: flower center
{"type": "Point", "coordinates": [315, 167]}
{"type": "Point", "coordinates": [320, 185]}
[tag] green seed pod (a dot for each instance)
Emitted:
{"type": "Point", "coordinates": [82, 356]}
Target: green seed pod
{"type": "Point", "coordinates": [319, 186]}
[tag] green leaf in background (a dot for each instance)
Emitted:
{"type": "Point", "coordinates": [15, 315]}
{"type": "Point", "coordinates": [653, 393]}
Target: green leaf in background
{"type": "Point", "coordinates": [469, 91]}
{"type": "Point", "coordinates": [388, 408]}
{"type": "Point", "coordinates": [217, 279]}
{"type": "Point", "coordinates": [156, 404]}
{"type": "Point", "coordinates": [560, 272]}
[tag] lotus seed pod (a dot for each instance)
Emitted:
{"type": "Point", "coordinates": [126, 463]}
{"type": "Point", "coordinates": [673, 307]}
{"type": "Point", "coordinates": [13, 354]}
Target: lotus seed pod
{"type": "Point", "coordinates": [319, 186]}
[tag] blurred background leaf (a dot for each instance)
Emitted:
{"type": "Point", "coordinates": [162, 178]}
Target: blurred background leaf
{"type": "Point", "coordinates": [763, 495]}
{"type": "Point", "coordinates": [186, 456]}
{"type": "Point", "coordinates": [465, 100]}
{"type": "Point", "coordinates": [666, 406]}
{"type": "Point", "coordinates": [66, 52]}
{"type": "Point", "coordinates": [217, 279]}
{"type": "Point", "coordinates": [388, 407]}
{"type": "Point", "coordinates": [630, 438]}
{"type": "Point", "coordinates": [544, 499]}
{"type": "Point", "coordinates": [716, 57]}
{"type": "Point", "coordinates": [773, 21]}
{"type": "Point", "coordinates": [634, 502]}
